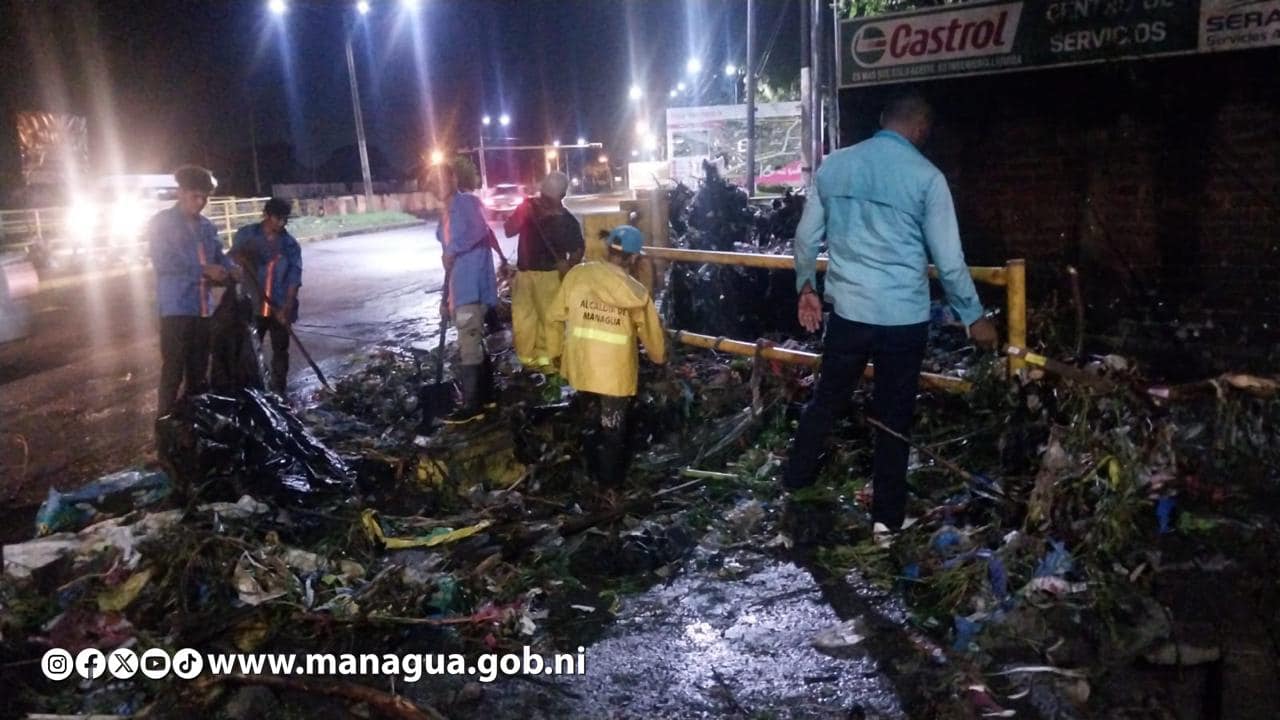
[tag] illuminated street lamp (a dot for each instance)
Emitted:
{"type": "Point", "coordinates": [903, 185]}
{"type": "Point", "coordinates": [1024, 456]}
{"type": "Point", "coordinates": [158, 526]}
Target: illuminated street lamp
{"type": "Point", "coordinates": [279, 8]}
{"type": "Point", "coordinates": [411, 5]}
{"type": "Point", "coordinates": [635, 93]}
{"type": "Point", "coordinates": [602, 159]}
{"type": "Point", "coordinates": [505, 120]}
{"type": "Point", "coordinates": [681, 86]}
{"type": "Point", "coordinates": [730, 69]}
{"type": "Point", "coordinates": [673, 93]}
{"type": "Point", "coordinates": [694, 66]}
{"type": "Point", "coordinates": [486, 120]}
{"type": "Point", "coordinates": [582, 141]}
{"type": "Point", "coordinates": [556, 143]}
{"type": "Point", "coordinates": [437, 157]}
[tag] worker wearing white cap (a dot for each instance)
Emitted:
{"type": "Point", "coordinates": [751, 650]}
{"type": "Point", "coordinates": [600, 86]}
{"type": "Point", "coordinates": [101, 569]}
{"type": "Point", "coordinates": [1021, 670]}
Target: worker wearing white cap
{"type": "Point", "coordinates": [550, 243]}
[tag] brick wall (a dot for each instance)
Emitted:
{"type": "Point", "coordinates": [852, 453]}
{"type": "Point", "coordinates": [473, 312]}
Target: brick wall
{"type": "Point", "coordinates": [1159, 179]}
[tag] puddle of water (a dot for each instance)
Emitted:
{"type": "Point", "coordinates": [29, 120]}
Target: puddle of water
{"type": "Point", "coordinates": [705, 645]}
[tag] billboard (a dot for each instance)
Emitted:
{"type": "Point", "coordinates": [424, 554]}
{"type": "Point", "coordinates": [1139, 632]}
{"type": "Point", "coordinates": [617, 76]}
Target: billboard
{"type": "Point", "coordinates": [718, 133]}
{"type": "Point", "coordinates": [54, 147]}
{"type": "Point", "coordinates": [984, 38]}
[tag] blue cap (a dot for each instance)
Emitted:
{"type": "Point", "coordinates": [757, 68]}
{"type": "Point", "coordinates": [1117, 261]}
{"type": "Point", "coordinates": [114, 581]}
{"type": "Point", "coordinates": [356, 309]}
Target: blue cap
{"type": "Point", "coordinates": [627, 238]}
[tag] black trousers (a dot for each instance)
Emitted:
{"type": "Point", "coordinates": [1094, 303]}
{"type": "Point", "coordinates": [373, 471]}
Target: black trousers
{"type": "Point", "coordinates": [898, 352]}
{"type": "Point", "coordinates": [279, 352]}
{"type": "Point", "coordinates": [184, 359]}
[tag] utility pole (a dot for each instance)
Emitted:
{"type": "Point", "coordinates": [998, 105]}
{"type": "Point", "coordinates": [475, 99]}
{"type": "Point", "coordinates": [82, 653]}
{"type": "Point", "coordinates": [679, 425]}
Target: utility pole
{"type": "Point", "coordinates": [484, 173]}
{"type": "Point", "coordinates": [806, 96]}
{"type": "Point", "coordinates": [751, 98]}
{"type": "Point", "coordinates": [818, 79]}
{"type": "Point", "coordinates": [355, 107]}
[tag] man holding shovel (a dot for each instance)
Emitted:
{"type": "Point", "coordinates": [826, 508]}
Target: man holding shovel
{"type": "Point", "coordinates": [471, 288]}
{"type": "Point", "coordinates": [275, 259]}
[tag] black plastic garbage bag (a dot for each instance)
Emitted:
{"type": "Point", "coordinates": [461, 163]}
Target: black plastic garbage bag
{"type": "Point", "coordinates": [252, 439]}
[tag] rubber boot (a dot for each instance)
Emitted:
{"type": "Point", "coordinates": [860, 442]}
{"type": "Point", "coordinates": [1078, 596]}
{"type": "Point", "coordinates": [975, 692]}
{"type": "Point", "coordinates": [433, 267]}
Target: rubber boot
{"type": "Point", "coordinates": [488, 389]}
{"type": "Point", "coordinates": [471, 409]}
{"type": "Point", "coordinates": [612, 458]}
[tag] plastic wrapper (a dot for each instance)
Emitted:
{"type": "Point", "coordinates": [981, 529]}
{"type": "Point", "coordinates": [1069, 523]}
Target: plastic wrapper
{"type": "Point", "coordinates": [251, 437]}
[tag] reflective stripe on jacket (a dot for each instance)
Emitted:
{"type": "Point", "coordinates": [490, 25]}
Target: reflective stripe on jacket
{"type": "Point", "coordinates": [278, 265]}
{"type": "Point", "coordinates": [179, 247]}
{"type": "Point", "coordinates": [598, 315]}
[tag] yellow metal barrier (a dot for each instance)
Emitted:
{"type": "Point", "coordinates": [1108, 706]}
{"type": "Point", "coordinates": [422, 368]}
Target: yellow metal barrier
{"type": "Point", "coordinates": [800, 357]}
{"type": "Point", "coordinates": [1012, 277]}
{"type": "Point", "coordinates": [55, 227]}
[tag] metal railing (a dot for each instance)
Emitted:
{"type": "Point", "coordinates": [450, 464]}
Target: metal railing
{"type": "Point", "coordinates": [94, 227]}
{"type": "Point", "coordinates": [1012, 276]}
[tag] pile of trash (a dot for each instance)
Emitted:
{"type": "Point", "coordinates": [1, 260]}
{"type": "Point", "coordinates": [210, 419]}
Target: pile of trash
{"type": "Point", "coordinates": [1058, 523]}
{"type": "Point", "coordinates": [269, 531]}
{"type": "Point", "coordinates": [724, 300]}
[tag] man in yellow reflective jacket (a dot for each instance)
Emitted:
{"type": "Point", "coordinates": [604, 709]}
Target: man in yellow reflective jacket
{"type": "Point", "coordinates": [599, 314]}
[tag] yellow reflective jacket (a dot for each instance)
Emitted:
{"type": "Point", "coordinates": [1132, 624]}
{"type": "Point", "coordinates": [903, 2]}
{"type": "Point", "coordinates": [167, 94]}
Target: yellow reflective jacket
{"type": "Point", "coordinates": [596, 318]}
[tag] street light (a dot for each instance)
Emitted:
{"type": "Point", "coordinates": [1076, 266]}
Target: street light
{"type": "Point", "coordinates": [730, 69]}
{"type": "Point", "coordinates": [411, 5]}
{"type": "Point", "coordinates": [681, 86]}
{"type": "Point", "coordinates": [582, 141]}
{"type": "Point", "coordinates": [635, 153]}
{"type": "Point", "coordinates": [485, 120]}
{"type": "Point", "coordinates": [635, 93]}
{"type": "Point", "coordinates": [505, 120]}
{"type": "Point", "coordinates": [555, 143]}
{"type": "Point", "coordinates": [694, 66]}
{"type": "Point", "coordinates": [279, 8]}
{"type": "Point", "coordinates": [602, 159]}
{"type": "Point", "coordinates": [672, 94]}
{"type": "Point", "coordinates": [437, 157]}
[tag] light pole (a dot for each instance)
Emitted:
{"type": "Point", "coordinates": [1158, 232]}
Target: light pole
{"type": "Point", "coordinates": [504, 120]}
{"type": "Point", "coordinates": [355, 108]}
{"type": "Point", "coordinates": [279, 8]}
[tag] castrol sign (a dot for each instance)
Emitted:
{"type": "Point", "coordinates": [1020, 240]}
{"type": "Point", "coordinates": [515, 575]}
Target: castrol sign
{"type": "Point", "coordinates": [980, 38]}
{"type": "Point", "coordinates": [954, 35]}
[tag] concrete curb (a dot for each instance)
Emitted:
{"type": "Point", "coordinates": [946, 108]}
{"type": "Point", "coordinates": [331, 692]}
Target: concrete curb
{"type": "Point", "coordinates": [72, 280]}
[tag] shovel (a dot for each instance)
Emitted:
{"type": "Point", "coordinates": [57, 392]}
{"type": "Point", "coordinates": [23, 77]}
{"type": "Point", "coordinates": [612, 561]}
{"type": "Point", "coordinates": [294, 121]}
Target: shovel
{"type": "Point", "coordinates": [436, 399]}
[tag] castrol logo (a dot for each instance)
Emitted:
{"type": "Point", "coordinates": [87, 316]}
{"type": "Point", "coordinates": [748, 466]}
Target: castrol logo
{"type": "Point", "coordinates": [976, 32]}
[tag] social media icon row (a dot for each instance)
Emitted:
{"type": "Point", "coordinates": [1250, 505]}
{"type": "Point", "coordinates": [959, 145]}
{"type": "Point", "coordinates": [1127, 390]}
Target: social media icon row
{"type": "Point", "coordinates": [121, 663]}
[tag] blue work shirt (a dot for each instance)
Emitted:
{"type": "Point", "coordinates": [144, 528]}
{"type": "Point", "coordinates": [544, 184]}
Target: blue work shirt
{"type": "Point", "coordinates": [180, 246]}
{"type": "Point", "coordinates": [278, 264]}
{"type": "Point", "coordinates": [464, 236]}
{"type": "Point", "coordinates": [885, 210]}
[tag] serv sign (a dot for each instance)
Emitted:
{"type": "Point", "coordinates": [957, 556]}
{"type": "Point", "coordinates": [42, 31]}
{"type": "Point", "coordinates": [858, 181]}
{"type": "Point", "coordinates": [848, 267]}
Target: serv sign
{"type": "Point", "coordinates": [981, 38]}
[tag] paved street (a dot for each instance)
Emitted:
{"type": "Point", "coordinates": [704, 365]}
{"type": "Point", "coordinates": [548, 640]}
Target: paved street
{"type": "Point", "coordinates": [80, 390]}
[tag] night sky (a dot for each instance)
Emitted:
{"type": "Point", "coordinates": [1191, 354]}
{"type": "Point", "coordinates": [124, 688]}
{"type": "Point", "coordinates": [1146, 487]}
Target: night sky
{"type": "Point", "coordinates": [184, 81]}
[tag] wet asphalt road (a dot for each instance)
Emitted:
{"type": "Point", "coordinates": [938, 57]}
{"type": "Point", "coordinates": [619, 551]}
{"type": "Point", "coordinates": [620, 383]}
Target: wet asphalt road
{"type": "Point", "coordinates": [78, 393]}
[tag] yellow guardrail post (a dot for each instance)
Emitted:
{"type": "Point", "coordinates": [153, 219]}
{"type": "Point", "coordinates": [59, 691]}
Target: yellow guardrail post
{"type": "Point", "coordinates": [1016, 308]}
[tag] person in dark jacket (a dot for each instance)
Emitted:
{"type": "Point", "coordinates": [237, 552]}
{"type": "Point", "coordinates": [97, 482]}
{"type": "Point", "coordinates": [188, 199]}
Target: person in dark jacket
{"type": "Point", "coordinates": [275, 259]}
{"type": "Point", "coordinates": [550, 244]}
{"type": "Point", "coordinates": [187, 257]}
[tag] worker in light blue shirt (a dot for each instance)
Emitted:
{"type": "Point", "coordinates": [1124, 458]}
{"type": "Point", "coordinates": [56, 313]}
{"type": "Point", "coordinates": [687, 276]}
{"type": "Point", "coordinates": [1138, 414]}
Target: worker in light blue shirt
{"type": "Point", "coordinates": [885, 211]}
{"type": "Point", "coordinates": [187, 257]}
{"type": "Point", "coordinates": [472, 288]}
